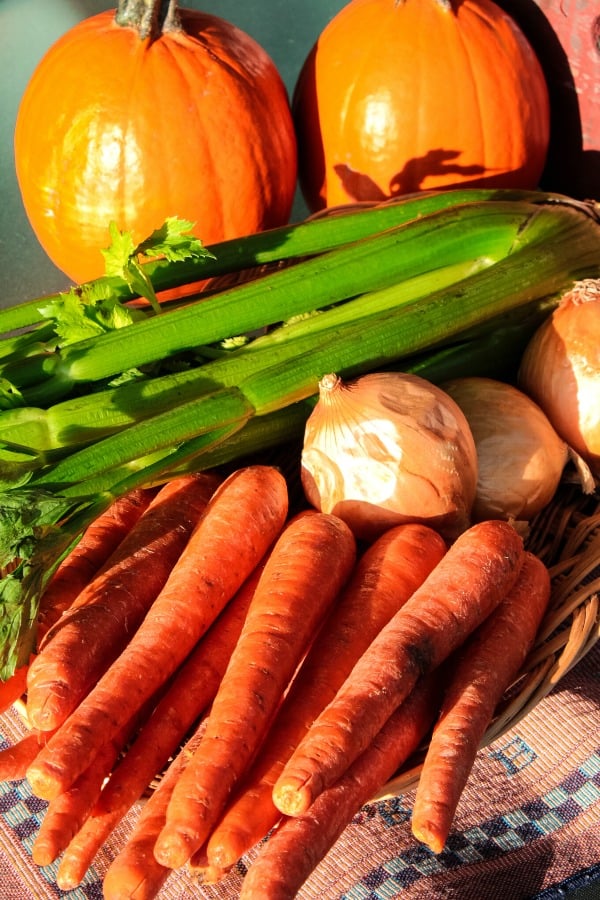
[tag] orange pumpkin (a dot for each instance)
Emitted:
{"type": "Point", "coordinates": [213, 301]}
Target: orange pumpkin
{"type": "Point", "coordinates": [398, 96]}
{"type": "Point", "coordinates": [134, 119]}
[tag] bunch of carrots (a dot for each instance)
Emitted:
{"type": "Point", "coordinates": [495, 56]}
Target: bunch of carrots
{"type": "Point", "coordinates": [275, 672]}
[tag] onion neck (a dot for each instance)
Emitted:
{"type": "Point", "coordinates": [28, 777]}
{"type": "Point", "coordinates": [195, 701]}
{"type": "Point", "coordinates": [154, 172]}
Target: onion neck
{"type": "Point", "coordinates": [150, 18]}
{"type": "Point", "coordinates": [329, 383]}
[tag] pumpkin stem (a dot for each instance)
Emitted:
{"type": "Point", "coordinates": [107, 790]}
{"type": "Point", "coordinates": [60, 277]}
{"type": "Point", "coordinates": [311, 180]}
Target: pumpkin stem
{"type": "Point", "coordinates": [150, 18]}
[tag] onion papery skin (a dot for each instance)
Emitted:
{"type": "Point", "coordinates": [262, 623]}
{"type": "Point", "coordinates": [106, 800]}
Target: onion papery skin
{"type": "Point", "coordinates": [560, 370]}
{"type": "Point", "coordinates": [520, 456]}
{"type": "Point", "coordinates": [386, 449]}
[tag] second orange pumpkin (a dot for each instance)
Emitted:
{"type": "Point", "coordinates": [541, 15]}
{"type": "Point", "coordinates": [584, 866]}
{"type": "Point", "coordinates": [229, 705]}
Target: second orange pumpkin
{"type": "Point", "coordinates": [398, 96]}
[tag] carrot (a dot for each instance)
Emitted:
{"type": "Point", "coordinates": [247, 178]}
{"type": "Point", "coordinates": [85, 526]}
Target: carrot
{"type": "Point", "coordinates": [16, 759]}
{"type": "Point", "coordinates": [94, 548]}
{"type": "Point", "coordinates": [489, 662]}
{"type": "Point", "coordinates": [300, 843]}
{"type": "Point", "coordinates": [387, 574]}
{"type": "Point", "coordinates": [100, 622]}
{"type": "Point", "coordinates": [134, 873]}
{"type": "Point", "coordinates": [66, 813]}
{"type": "Point", "coordinates": [462, 590]}
{"type": "Point", "coordinates": [242, 520]}
{"type": "Point", "coordinates": [14, 687]}
{"type": "Point", "coordinates": [201, 870]}
{"type": "Point", "coordinates": [191, 691]}
{"type": "Point", "coordinates": [302, 577]}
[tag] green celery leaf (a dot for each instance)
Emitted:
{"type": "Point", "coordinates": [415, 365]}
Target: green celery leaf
{"type": "Point", "coordinates": [34, 539]}
{"type": "Point", "coordinates": [71, 321]}
{"type": "Point", "coordinates": [17, 634]}
{"type": "Point", "coordinates": [96, 292]}
{"type": "Point", "coordinates": [79, 316]}
{"type": "Point", "coordinates": [113, 315]}
{"type": "Point", "coordinates": [27, 515]}
{"type": "Point", "coordinates": [119, 252]}
{"type": "Point", "coordinates": [138, 281]}
{"type": "Point", "coordinates": [121, 260]}
{"type": "Point", "coordinates": [174, 241]}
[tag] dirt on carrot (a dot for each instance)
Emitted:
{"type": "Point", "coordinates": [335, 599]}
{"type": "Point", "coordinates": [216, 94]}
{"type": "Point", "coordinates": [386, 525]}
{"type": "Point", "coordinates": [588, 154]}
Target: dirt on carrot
{"type": "Point", "coordinates": [386, 575]}
{"type": "Point", "coordinates": [202, 871]}
{"type": "Point", "coordinates": [303, 576]}
{"type": "Point", "coordinates": [104, 616]}
{"type": "Point", "coordinates": [469, 582]}
{"type": "Point", "coordinates": [243, 519]}
{"type": "Point", "coordinates": [487, 665]}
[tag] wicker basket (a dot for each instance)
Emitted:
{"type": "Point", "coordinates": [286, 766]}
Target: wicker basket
{"type": "Point", "coordinates": [566, 536]}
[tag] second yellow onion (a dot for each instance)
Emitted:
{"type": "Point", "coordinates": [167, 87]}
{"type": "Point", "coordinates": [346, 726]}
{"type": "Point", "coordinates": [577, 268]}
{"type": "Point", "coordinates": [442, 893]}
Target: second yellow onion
{"type": "Point", "coordinates": [520, 456]}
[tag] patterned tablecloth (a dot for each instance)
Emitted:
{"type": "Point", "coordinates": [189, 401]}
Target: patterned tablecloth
{"type": "Point", "coordinates": [528, 824]}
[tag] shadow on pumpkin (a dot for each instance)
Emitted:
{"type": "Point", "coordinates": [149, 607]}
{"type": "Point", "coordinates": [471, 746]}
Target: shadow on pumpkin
{"type": "Point", "coordinates": [410, 178]}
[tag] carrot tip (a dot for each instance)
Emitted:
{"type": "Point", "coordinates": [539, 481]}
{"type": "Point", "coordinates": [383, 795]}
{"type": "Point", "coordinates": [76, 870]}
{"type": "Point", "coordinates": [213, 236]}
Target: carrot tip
{"type": "Point", "coordinates": [222, 857]}
{"type": "Point", "coordinates": [173, 848]}
{"type": "Point", "coordinates": [290, 800]}
{"type": "Point", "coordinates": [42, 855]}
{"type": "Point", "coordinates": [227, 846]}
{"type": "Point", "coordinates": [67, 882]}
{"type": "Point", "coordinates": [43, 785]}
{"type": "Point", "coordinates": [427, 834]}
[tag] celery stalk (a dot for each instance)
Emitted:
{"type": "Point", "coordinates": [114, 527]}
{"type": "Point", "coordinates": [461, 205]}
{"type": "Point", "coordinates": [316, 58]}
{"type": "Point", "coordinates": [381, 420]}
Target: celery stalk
{"type": "Point", "coordinates": [84, 419]}
{"type": "Point", "coordinates": [313, 236]}
{"type": "Point", "coordinates": [290, 372]}
{"type": "Point", "coordinates": [371, 264]}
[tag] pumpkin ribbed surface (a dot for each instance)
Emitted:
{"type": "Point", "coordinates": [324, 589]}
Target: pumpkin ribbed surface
{"type": "Point", "coordinates": [397, 97]}
{"type": "Point", "coordinates": [194, 124]}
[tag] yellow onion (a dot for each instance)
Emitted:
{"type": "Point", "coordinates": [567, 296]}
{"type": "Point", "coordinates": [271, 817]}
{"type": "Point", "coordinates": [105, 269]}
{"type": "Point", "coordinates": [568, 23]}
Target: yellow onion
{"type": "Point", "coordinates": [519, 454]}
{"type": "Point", "coordinates": [389, 448]}
{"type": "Point", "coordinates": [560, 369]}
